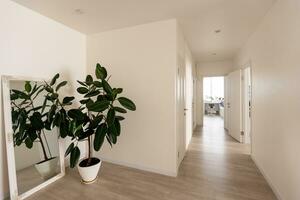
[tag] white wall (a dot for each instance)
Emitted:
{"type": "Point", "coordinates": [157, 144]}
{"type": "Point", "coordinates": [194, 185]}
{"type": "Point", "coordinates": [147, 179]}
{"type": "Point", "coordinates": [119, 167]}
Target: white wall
{"type": "Point", "coordinates": [185, 96]}
{"type": "Point", "coordinates": [274, 54]}
{"type": "Point", "coordinates": [218, 68]}
{"type": "Point", "coordinates": [142, 60]}
{"type": "Point", "coordinates": [33, 45]}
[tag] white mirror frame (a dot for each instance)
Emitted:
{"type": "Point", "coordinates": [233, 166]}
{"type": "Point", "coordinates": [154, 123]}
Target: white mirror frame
{"type": "Point", "coordinates": [13, 186]}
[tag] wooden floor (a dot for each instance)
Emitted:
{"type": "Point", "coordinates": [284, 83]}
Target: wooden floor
{"type": "Point", "coordinates": [216, 167]}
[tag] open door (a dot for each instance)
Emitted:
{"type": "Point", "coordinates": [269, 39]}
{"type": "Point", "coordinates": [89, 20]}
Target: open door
{"type": "Point", "coordinates": [181, 110]}
{"type": "Point", "coordinates": [226, 102]}
{"type": "Point", "coordinates": [247, 103]}
{"type": "Point", "coordinates": [234, 104]}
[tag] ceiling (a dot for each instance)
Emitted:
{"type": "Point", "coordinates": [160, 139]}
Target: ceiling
{"type": "Point", "coordinates": [199, 19]}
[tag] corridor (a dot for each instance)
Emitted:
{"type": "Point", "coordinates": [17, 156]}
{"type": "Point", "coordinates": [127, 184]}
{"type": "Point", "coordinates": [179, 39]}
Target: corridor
{"type": "Point", "coordinates": [216, 167]}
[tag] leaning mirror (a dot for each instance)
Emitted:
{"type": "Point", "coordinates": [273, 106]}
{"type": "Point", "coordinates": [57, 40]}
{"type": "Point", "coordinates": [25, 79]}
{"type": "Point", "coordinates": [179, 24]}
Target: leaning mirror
{"type": "Point", "coordinates": [34, 150]}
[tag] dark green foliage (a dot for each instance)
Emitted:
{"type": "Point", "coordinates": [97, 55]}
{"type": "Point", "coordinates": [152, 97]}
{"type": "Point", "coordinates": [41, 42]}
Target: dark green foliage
{"type": "Point", "coordinates": [97, 115]}
{"type": "Point", "coordinates": [100, 120]}
{"type": "Point", "coordinates": [30, 120]}
{"type": "Point", "coordinates": [127, 103]}
{"type": "Point", "coordinates": [75, 154]}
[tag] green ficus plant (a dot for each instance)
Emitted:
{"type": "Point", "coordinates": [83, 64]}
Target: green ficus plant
{"type": "Point", "coordinates": [97, 118]}
{"type": "Point", "coordinates": [31, 116]}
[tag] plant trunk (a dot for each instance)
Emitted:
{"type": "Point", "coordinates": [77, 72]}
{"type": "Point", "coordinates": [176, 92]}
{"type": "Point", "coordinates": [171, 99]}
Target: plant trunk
{"type": "Point", "coordinates": [43, 146]}
{"type": "Point", "coordinates": [89, 152]}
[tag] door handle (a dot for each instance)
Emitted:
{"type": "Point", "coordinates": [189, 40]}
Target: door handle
{"type": "Point", "coordinates": [185, 109]}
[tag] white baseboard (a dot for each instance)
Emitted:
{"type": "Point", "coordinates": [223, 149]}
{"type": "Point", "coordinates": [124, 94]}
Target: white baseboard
{"type": "Point", "coordinates": [276, 192]}
{"type": "Point", "coordinates": [140, 167]}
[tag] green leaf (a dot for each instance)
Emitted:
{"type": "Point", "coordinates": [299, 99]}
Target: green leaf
{"type": "Point", "coordinates": [89, 80]}
{"type": "Point", "coordinates": [120, 110]}
{"type": "Point", "coordinates": [118, 127]}
{"type": "Point", "coordinates": [27, 86]}
{"type": "Point", "coordinates": [112, 136]}
{"type": "Point", "coordinates": [13, 96]}
{"type": "Point", "coordinates": [76, 114]}
{"type": "Point", "coordinates": [22, 95]}
{"type": "Point", "coordinates": [54, 96]}
{"type": "Point", "coordinates": [48, 89]}
{"type": "Point", "coordinates": [32, 134]}
{"type": "Point", "coordinates": [61, 84]}
{"type": "Point", "coordinates": [100, 72]}
{"type": "Point", "coordinates": [82, 90]}
{"type": "Point", "coordinates": [68, 100]}
{"type": "Point", "coordinates": [57, 119]}
{"type": "Point", "coordinates": [98, 106]}
{"type": "Point", "coordinates": [95, 122]}
{"type": "Point", "coordinates": [109, 140]}
{"type": "Point", "coordinates": [54, 79]}
{"type": "Point", "coordinates": [69, 149]}
{"type": "Point", "coordinates": [75, 154]}
{"type": "Point", "coordinates": [28, 143]}
{"type": "Point", "coordinates": [99, 136]}
{"type": "Point", "coordinates": [127, 103]}
{"type": "Point", "coordinates": [111, 116]}
{"type": "Point", "coordinates": [84, 101]}
{"type": "Point", "coordinates": [82, 83]}
{"type": "Point", "coordinates": [36, 121]}
{"type": "Point", "coordinates": [97, 84]}
{"type": "Point", "coordinates": [119, 90]}
{"type": "Point", "coordinates": [107, 87]}
{"type": "Point", "coordinates": [63, 129]}
{"type": "Point", "coordinates": [92, 94]}
{"type": "Point", "coordinates": [120, 118]}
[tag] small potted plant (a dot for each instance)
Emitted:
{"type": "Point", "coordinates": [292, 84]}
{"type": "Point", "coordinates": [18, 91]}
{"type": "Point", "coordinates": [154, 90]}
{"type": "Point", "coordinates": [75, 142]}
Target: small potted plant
{"type": "Point", "coordinates": [31, 119]}
{"type": "Point", "coordinates": [95, 120]}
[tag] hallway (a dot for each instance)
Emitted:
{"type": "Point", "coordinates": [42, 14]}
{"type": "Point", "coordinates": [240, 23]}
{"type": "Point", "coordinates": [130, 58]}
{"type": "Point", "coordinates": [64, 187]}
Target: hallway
{"type": "Point", "coordinates": [216, 167]}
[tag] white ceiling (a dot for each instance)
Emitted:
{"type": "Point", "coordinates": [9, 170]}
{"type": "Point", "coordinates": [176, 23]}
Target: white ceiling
{"type": "Point", "coordinates": [236, 19]}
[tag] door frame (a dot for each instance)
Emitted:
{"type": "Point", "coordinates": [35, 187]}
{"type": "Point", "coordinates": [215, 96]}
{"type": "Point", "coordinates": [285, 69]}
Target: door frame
{"type": "Point", "coordinates": [202, 96]}
{"type": "Point", "coordinates": [246, 106]}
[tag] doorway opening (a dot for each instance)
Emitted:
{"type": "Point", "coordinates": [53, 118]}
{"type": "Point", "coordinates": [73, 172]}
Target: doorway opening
{"type": "Point", "coordinates": [213, 101]}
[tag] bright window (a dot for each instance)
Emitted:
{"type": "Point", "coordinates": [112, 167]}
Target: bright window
{"type": "Point", "coordinates": [213, 88]}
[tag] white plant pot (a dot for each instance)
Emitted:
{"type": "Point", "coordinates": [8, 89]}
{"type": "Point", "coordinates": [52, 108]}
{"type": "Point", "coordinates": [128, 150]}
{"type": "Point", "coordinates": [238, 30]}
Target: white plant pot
{"type": "Point", "coordinates": [47, 168]}
{"type": "Point", "coordinates": [89, 174]}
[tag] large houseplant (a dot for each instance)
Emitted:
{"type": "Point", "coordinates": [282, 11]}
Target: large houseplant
{"type": "Point", "coordinates": [31, 118]}
{"type": "Point", "coordinates": [96, 119]}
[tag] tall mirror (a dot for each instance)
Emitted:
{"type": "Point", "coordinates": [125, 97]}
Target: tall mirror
{"type": "Point", "coordinates": [34, 150]}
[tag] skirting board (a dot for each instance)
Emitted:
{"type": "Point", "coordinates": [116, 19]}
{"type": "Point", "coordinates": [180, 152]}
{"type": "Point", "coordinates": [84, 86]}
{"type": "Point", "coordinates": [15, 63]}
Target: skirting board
{"type": "Point", "coordinates": [276, 192]}
{"type": "Point", "coordinates": [139, 167]}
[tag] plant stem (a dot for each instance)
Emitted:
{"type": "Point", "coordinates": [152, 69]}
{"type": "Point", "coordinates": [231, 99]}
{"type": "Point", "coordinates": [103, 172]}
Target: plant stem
{"type": "Point", "coordinates": [89, 151]}
{"type": "Point", "coordinates": [43, 147]}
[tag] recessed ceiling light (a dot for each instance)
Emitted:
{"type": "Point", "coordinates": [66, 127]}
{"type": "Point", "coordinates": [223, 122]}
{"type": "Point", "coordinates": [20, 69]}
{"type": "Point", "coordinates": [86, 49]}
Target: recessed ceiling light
{"type": "Point", "coordinates": [78, 11]}
{"type": "Point", "coordinates": [218, 31]}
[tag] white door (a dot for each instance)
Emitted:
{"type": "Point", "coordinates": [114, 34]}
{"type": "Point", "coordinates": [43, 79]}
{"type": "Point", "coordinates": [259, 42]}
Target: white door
{"type": "Point", "coordinates": [234, 105]}
{"type": "Point", "coordinates": [247, 92]}
{"type": "Point", "coordinates": [226, 102]}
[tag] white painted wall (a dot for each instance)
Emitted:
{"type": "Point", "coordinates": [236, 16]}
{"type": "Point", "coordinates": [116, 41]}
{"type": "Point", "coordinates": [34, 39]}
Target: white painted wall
{"type": "Point", "coordinates": [33, 45]}
{"type": "Point", "coordinates": [142, 60]}
{"type": "Point", "coordinates": [218, 68]}
{"type": "Point", "coordinates": [274, 54]}
{"type": "Point", "coordinates": [185, 96]}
